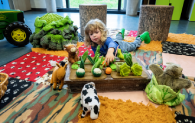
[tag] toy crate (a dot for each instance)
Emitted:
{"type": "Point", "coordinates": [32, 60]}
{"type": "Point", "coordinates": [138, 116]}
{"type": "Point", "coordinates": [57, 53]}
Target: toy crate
{"type": "Point", "coordinates": [107, 83]}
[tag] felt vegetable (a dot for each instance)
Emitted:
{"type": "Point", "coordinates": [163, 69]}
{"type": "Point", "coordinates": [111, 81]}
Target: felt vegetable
{"type": "Point", "coordinates": [90, 59]}
{"type": "Point", "coordinates": [97, 50]}
{"type": "Point", "coordinates": [125, 70]}
{"type": "Point", "coordinates": [136, 69]}
{"type": "Point", "coordinates": [108, 70]}
{"type": "Point", "coordinates": [80, 72]}
{"type": "Point", "coordinates": [97, 64]}
{"type": "Point", "coordinates": [82, 63]}
{"type": "Point", "coordinates": [113, 66]}
{"type": "Point", "coordinates": [74, 66]}
{"type": "Point", "coordinates": [97, 57]}
{"type": "Point", "coordinates": [105, 64]}
{"type": "Point", "coordinates": [119, 54]}
{"type": "Point", "coordinates": [97, 72]}
{"type": "Point", "coordinates": [85, 54]}
{"type": "Point", "coordinates": [128, 59]}
{"type": "Point", "coordinates": [118, 64]}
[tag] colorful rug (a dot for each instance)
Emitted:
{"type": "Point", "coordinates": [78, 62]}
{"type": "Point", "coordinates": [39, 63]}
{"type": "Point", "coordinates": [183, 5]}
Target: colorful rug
{"type": "Point", "coordinates": [40, 103]}
{"type": "Point", "coordinates": [14, 88]}
{"type": "Point", "coordinates": [148, 57]}
{"type": "Point", "coordinates": [30, 67]}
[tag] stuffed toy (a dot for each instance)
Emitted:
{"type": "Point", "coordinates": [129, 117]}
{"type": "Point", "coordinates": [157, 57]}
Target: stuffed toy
{"type": "Point", "coordinates": [171, 76]}
{"type": "Point", "coordinates": [58, 76]}
{"type": "Point", "coordinates": [90, 101]}
{"type": "Point", "coordinates": [165, 86]}
{"type": "Point", "coordinates": [72, 53]}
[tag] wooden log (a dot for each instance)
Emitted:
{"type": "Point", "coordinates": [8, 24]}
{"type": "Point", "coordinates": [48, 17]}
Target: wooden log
{"type": "Point", "coordinates": [91, 11]}
{"type": "Point", "coordinates": [156, 20]}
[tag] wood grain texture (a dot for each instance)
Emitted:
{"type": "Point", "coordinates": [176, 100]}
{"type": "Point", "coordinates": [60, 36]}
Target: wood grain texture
{"type": "Point", "coordinates": [156, 20]}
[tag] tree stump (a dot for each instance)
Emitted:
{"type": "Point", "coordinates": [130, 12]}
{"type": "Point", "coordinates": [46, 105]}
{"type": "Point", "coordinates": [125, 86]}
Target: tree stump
{"type": "Point", "coordinates": [91, 11]}
{"type": "Point", "coordinates": [156, 20]}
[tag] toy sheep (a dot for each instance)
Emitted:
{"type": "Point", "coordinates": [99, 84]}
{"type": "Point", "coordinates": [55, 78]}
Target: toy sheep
{"type": "Point", "coordinates": [90, 101]}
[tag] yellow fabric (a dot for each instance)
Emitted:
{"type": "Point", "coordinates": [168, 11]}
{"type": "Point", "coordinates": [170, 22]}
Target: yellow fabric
{"type": "Point", "coordinates": [118, 111]}
{"type": "Point", "coordinates": [181, 38]}
{"type": "Point", "coordinates": [157, 46]}
{"type": "Point", "coordinates": [57, 53]}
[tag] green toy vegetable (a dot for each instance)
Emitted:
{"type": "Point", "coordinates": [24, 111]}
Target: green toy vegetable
{"type": "Point", "coordinates": [82, 63]}
{"type": "Point", "coordinates": [119, 54]}
{"type": "Point", "coordinates": [85, 54]}
{"type": "Point", "coordinates": [74, 66]}
{"type": "Point", "coordinates": [90, 59]}
{"type": "Point", "coordinates": [162, 94]}
{"type": "Point", "coordinates": [97, 50]}
{"type": "Point", "coordinates": [136, 69]}
{"type": "Point", "coordinates": [80, 72]}
{"type": "Point", "coordinates": [97, 64]}
{"type": "Point", "coordinates": [96, 57]}
{"type": "Point", "coordinates": [113, 66]}
{"type": "Point", "coordinates": [128, 59]}
{"type": "Point", "coordinates": [97, 72]}
{"type": "Point", "coordinates": [124, 70]}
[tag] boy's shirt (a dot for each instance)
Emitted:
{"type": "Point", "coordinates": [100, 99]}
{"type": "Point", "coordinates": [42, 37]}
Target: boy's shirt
{"type": "Point", "coordinates": [108, 44]}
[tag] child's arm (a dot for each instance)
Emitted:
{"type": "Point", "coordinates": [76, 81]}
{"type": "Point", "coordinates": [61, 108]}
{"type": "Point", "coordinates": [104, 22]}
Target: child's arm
{"type": "Point", "coordinates": [112, 46]}
{"type": "Point", "coordinates": [110, 55]}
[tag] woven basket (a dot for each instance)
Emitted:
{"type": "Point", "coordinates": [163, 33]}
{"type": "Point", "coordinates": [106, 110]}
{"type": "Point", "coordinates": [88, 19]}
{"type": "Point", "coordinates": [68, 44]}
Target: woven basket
{"type": "Point", "coordinates": [3, 84]}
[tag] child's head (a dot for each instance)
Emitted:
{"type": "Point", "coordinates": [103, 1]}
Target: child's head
{"type": "Point", "coordinates": [91, 27]}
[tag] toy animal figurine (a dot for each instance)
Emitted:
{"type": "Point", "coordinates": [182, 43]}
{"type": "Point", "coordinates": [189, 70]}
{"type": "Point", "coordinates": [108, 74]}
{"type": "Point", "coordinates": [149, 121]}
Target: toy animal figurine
{"type": "Point", "coordinates": [72, 53]}
{"type": "Point", "coordinates": [90, 101]}
{"type": "Point", "coordinates": [171, 76]}
{"type": "Point", "coordinates": [58, 76]}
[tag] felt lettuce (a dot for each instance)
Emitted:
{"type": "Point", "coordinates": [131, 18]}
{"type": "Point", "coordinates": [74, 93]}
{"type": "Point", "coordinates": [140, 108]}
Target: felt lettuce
{"type": "Point", "coordinates": [125, 70]}
{"type": "Point", "coordinates": [136, 69]}
{"type": "Point", "coordinates": [162, 94]}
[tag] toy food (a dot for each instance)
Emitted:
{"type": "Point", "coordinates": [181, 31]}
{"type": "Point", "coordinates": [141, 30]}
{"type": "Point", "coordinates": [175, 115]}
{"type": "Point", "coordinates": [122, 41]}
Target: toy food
{"type": "Point", "coordinates": [80, 72]}
{"type": "Point", "coordinates": [97, 72]}
{"type": "Point", "coordinates": [108, 70]}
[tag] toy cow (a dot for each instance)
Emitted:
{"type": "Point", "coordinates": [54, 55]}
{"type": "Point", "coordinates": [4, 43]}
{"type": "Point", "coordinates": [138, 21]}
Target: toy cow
{"type": "Point", "coordinates": [90, 101]}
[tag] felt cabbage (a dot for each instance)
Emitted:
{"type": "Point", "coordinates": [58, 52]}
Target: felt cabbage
{"type": "Point", "coordinates": [136, 69]}
{"type": "Point", "coordinates": [162, 94]}
{"type": "Point", "coordinates": [125, 70]}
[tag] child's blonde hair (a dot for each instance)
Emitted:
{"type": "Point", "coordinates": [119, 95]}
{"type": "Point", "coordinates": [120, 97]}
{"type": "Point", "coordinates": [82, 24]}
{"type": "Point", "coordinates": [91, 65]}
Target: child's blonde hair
{"type": "Point", "coordinates": [92, 26]}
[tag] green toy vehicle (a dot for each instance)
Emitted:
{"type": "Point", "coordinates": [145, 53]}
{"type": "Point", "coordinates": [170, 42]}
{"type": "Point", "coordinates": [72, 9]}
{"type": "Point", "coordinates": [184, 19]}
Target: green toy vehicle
{"type": "Point", "coordinates": [12, 26]}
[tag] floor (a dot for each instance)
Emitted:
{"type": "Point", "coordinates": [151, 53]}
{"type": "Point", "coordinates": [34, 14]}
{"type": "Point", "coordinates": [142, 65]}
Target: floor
{"type": "Point", "coordinates": [9, 52]}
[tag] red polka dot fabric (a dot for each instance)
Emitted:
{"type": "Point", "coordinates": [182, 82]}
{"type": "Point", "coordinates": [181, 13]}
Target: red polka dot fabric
{"type": "Point", "coordinates": [30, 67]}
{"type": "Point", "coordinates": [82, 49]}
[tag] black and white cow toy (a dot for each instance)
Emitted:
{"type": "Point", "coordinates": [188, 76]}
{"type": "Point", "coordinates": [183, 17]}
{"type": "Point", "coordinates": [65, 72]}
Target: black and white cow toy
{"type": "Point", "coordinates": [90, 101]}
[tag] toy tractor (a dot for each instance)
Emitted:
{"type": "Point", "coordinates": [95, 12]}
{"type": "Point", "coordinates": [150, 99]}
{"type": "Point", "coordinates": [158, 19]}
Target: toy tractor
{"type": "Point", "coordinates": [12, 27]}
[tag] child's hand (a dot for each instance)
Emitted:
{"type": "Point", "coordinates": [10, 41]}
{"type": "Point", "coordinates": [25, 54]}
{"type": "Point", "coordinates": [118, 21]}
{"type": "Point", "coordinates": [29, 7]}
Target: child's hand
{"type": "Point", "coordinates": [109, 56]}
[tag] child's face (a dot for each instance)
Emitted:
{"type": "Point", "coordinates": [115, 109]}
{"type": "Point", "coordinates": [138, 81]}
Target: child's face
{"type": "Point", "coordinates": [95, 36]}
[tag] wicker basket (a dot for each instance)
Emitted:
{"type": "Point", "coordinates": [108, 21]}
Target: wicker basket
{"type": "Point", "coordinates": [3, 84]}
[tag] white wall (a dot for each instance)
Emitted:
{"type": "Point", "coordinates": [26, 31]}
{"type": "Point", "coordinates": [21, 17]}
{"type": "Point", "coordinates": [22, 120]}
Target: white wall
{"type": "Point", "coordinates": [38, 3]}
